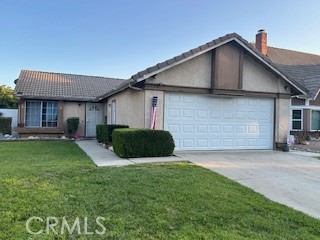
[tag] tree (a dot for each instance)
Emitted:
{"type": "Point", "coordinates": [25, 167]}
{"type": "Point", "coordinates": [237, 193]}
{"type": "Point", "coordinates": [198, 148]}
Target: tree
{"type": "Point", "coordinates": [7, 99]}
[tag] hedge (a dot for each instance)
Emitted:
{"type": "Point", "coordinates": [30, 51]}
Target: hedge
{"type": "Point", "coordinates": [5, 125]}
{"type": "Point", "coordinates": [104, 132]}
{"type": "Point", "coordinates": [130, 143]}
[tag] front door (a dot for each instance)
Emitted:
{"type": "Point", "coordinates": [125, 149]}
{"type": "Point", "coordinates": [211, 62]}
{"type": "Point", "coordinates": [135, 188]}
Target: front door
{"type": "Point", "coordinates": [94, 116]}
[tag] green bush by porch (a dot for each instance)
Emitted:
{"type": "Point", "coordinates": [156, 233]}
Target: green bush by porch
{"type": "Point", "coordinates": [72, 126]}
{"type": "Point", "coordinates": [5, 125]}
{"type": "Point", "coordinates": [142, 143]}
{"type": "Point", "coordinates": [104, 131]}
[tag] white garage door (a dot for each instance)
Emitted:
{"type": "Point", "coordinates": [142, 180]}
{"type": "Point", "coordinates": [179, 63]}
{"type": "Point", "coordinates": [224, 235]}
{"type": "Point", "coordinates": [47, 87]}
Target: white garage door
{"type": "Point", "coordinates": [202, 122]}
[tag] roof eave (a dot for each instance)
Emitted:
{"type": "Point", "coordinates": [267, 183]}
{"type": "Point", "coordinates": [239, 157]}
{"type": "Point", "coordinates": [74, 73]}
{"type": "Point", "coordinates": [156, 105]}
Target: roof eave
{"type": "Point", "coordinates": [70, 99]}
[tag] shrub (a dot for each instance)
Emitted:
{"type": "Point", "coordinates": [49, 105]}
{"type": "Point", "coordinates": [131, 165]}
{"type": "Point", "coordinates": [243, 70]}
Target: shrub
{"type": "Point", "coordinates": [142, 143]}
{"type": "Point", "coordinates": [111, 127]}
{"type": "Point", "coordinates": [72, 126]}
{"type": "Point", "coordinates": [102, 133]}
{"type": "Point", "coordinates": [301, 137]}
{"type": "Point", "coordinates": [5, 125]}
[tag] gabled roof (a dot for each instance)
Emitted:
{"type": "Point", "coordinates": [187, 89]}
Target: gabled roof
{"type": "Point", "coordinates": [303, 67]}
{"type": "Point", "coordinates": [151, 71]}
{"type": "Point", "coordinates": [61, 86]}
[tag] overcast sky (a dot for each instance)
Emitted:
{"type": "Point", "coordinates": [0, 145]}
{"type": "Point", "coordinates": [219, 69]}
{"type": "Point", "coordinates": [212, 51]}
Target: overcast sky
{"type": "Point", "coordinates": [118, 38]}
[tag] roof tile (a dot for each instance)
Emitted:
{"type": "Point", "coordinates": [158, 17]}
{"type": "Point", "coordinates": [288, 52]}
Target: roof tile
{"type": "Point", "coordinates": [303, 67]}
{"type": "Point", "coordinates": [63, 86]}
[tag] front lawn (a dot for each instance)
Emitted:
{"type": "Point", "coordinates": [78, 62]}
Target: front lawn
{"type": "Point", "coordinates": [156, 201]}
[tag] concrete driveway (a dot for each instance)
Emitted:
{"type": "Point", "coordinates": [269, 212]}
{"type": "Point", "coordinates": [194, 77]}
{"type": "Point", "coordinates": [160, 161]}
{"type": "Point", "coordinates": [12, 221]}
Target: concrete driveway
{"type": "Point", "coordinates": [287, 178]}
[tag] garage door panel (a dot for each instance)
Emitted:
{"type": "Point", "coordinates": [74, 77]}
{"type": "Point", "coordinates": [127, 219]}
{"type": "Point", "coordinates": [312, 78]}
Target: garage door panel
{"type": "Point", "coordinates": [188, 113]}
{"type": "Point", "coordinates": [240, 129]}
{"type": "Point", "coordinates": [227, 129]}
{"type": "Point", "coordinates": [228, 114]}
{"type": "Point", "coordinates": [187, 128]}
{"type": "Point", "coordinates": [188, 143]}
{"type": "Point", "coordinates": [253, 129]}
{"type": "Point", "coordinates": [215, 114]}
{"type": "Point", "coordinates": [174, 113]}
{"type": "Point", "coordinates": [189, 99]}
{"type": "Point", "coordinates": [241, 115]}
{"type": "Point", "coordinates": [228, 102]}
{"type": "Point", "coordinates": [202, 113]}
{"type": "Point", "coordinates": [215, 143]}
{"type": "Point", "coordinates": [174, 128]}
{"type": "Point", "coordinates": [215, 129]}
{"type": "Point", "coordinates": [240, 103]}
{"type": "Point", "coordinates": [174, 98]}
{"type": "Point", "coordinates": [228, 143]}
{"type": "Point", "coordinates": [205, 122]}
{"type": "Point", "coordinates": [202, 128]}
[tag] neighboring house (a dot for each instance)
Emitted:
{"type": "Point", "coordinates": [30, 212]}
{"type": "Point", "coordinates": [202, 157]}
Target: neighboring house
{"type": "Point", "coordinates": [47, 100]}
{"type": "Point", "coordinates": [225, 94]}
{"type": "Point", "coordinates": [304, 68]}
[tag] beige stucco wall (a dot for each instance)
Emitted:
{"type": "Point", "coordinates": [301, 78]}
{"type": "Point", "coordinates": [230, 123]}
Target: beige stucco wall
{"type": "Point", "coordinates": [282, 120]}
{"type": "Point", "coordinates": [160, 108]}
{"type": "Point", "coordinates": [72, 109]}
{"type": "Point", "coordinates": [129, 108]}
{"type": "Point", "coordinates": [193, 73]}
{"type": "Point", "coordinates": [257, 78]}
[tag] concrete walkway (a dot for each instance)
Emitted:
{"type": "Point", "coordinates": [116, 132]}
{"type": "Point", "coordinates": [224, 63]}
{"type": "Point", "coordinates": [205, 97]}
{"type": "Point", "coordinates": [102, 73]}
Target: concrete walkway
{"type": "Point", "coordinates": [103, 157]}
{"type": "Point", "coordinates": [286, 178]}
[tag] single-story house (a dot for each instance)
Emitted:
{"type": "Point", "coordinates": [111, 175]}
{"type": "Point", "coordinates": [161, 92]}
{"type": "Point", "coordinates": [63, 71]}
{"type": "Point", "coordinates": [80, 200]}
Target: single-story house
{"type": "Point", "coordinates": [47, 100]}
{"type": "Point", "coordinates": [225, 94]}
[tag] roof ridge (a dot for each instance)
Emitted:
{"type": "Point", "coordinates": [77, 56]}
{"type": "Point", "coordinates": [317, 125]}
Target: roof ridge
{"type": "Point", "coordinates": [82, 75]}
{"type": "Point", "coordinates": [294, 51]}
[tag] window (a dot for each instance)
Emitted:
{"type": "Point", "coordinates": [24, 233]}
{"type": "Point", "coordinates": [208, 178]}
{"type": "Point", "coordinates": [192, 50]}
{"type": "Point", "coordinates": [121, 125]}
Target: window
{"type": "Point", "coordinates": [33, 113]}
{"type": "Point", "coordinates": [296, 119]}
{"type": "Point", "coordinates": [41, 114]}
{"type": "Point", "coordinates": [315, 120]}
{"type": "Point", "coordinates": [113, 112]}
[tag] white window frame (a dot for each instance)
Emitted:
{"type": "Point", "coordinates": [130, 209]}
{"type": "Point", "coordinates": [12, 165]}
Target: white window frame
{"type": "Point", "coordinates": [291, 119]}
{"type": "Point", "coordinates": [113, 111]}
{"type": "Point", "coordinates": [41, 108]}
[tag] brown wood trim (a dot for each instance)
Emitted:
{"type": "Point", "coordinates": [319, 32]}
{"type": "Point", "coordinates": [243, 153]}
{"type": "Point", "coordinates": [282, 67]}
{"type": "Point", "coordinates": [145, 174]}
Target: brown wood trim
{"type": "Point", "coordinates": [173, 88]}
{"type": "Point", "coordinates": [240, 86]}
{"type": "Point", "coordinates": [306, 119]}
{"type": "Point", "coordinates": [213, 69]}
{"type": "Point", "coordinates": [216, 68]}
{"type": "Point", "coordinates": [21, 112]}
{"type": "Point", "coordinates": [284, 95]}
{"type": "Point", "coordinates": [60, 113]}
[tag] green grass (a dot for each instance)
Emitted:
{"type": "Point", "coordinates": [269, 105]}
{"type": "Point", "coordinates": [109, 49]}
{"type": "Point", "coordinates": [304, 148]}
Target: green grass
{"type": "Point", "coordinates": [156, 201]}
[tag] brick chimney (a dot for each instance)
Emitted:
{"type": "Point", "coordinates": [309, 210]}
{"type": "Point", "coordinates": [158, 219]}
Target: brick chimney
{"type": "Point", "coordinates": [261, 42]}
